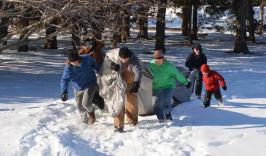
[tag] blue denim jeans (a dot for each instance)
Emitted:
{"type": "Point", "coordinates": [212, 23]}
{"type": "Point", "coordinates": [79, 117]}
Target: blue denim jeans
{"type": "Point", "coordinates": [163, 99]}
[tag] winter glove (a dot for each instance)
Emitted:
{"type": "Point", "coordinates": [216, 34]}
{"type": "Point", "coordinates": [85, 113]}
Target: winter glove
{"type": "Point", "coordinates": [114, 66]}
{"type": "Point", "coordinates": [224, 88]}
{"type": "Point", "coordinates": [135, 87]}
{"type": "Point", "coordinates": [188, 84]}
{"type": "Point", "coordinates": [64, 96]}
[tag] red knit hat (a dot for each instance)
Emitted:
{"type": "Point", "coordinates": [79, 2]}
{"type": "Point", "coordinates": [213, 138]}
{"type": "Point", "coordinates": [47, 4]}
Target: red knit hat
{"type": "Point", "coordinates": [205, 68]}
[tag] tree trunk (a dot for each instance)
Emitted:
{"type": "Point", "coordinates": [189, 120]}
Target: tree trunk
{"type": "Point", "coordinates": [117, 37]}
{"type": "Point", "coordinates": [76, 41]}
{"type": "Point", "coordinates": [3, 30]}
{"type": "Point", "coordinates": [251, 28]}
{"type": "Point", "coordinates": [195, 20]}
{"type": "Point", "coordinates": [261, 21]}
{"type": "Point", "coordinates": [186, 23]}
{"type": "Point", "coordinates": [3, 25]}
{"type": "Point", "coordinates": [143, 24]}
{"type": "Point", "coordinates": [51, 38]}
{"type": "Point", "coordinates": [185, 19]}
{"type": "Point", "coordinates": [241, 17]}
{"type": "Point", "coordinates": [160, 26]}
{"type": "Point", "coordinates": [23, 38]}
{"type": "Point", "coordinates": [126, 28]}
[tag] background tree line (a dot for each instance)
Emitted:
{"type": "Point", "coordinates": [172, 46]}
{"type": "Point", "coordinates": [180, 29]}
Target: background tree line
{"type": "Point", "coordinates": [49, 18]}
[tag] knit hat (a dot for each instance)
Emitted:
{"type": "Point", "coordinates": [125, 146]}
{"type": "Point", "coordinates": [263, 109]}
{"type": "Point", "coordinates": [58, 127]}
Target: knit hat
{"type": "Point", "coordinates": [124, 52]}
{"type": "Point", "coordinates": [72, 55]}
{"type": "Point", "coordinates": [205, 68]}
{"type": "Point", "coordinates": [158, 54]}
{"type": "Point", "coordinates": [197, 46]}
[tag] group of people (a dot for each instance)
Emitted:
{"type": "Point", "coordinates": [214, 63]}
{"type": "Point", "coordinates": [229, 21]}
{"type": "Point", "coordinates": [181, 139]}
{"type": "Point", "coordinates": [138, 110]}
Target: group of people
{"type": "Point", "coordinates": [82, 66]}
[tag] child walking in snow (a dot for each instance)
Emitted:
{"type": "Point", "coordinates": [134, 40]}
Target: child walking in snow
{"type": "Point", "coordinates": [212, 80]}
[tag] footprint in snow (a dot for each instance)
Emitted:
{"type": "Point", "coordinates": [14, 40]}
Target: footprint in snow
{"type": "Point", "coordinates": [218, 143]}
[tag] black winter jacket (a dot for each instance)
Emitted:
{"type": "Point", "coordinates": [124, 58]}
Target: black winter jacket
{"type": "Point", "coordinates": [194, 61]}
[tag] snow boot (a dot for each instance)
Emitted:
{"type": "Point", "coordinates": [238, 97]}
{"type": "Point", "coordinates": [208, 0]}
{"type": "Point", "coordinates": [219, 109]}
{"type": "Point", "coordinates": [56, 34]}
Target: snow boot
{"type": "Point", "coordinates": [168, 117]}
{"type": "Point", "coordinates": [92, 118]}
{"type": "Point", "coordinates": [119, 130]}
{"type": "Point", "coordinates": [161, 120]}
{"type": "Point", "coordinates": [220, 103]}
{"type": "Point", "coordinates": [206, 106]}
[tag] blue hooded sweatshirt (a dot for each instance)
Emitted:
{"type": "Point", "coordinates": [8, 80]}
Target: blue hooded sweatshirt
{"type": "Point", "coordinates": [82, 76]}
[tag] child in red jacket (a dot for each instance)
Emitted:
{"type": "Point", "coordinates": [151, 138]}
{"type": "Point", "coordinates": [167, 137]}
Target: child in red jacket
{"type": "Point", "coordinates": [212, 80]}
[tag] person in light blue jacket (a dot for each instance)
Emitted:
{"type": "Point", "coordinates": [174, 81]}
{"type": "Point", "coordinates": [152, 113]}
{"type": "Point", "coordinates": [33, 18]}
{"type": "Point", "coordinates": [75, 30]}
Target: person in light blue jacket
{"type": "Point", "coordinates": [81, 71]}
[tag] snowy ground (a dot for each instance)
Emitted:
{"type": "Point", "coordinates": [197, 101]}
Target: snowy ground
{"type": "Point", "coordinates": [35, 122]}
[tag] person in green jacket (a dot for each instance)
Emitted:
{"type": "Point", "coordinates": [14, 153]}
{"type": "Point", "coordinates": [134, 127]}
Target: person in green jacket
{"type": "Point", "coordinates": [164, 75]}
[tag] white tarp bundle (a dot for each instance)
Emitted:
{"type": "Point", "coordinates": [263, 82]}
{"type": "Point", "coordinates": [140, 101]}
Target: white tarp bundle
{"type": "Point", "coordinates": [111, 86]}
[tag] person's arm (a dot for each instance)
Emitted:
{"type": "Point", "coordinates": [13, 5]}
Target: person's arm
{"type": "Point", "coordinates": [220, 79]}
{"type": "Point", "coordinates": [94, 64]}
{"type": "Point", "coordinates": [204, 59]}
{"type": "Point", "coordinates": [136, 69]}
{"type": "Point", "coordinates": [65, 79]}
{"type": "Point", "coordinates": [179, 76]}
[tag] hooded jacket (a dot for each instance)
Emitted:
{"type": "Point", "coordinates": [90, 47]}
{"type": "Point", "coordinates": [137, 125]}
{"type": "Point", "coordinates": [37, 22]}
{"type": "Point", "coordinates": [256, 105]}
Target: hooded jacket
{"type": "Point", "coordinates": [212, 79]}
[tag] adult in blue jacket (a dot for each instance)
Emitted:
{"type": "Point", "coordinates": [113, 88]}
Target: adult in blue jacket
{"type": "Point", "coordinates": [81, 71]}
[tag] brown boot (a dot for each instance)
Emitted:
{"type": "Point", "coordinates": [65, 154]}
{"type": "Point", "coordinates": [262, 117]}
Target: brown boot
{"type": "Point", "coordinates": [92, 118]}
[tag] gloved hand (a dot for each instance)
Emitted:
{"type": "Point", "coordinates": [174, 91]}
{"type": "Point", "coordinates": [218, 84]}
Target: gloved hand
{"type": "Point", "coordinates": [135, 87]}
{"type": "Point", "coordinates": [64, 96]}
{"type": "Point", "coordinates": [188, 84]}
{"type": "Point", "coordinates": [224, 88]}
{"type": "Point", "coordinates": [114, 66]}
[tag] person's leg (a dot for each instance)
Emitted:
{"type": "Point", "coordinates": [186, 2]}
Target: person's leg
{"type": "Point", "coordinates": [78, 98]}
{"type": "Point", "coordinates": [98, 100]}
{"type": "Point", "coordinates": [218, 97]}
{"type": "Point", "coordinates": [207, 98]}
{"type": "Point", "coordinates": [131, 107]}
{"type": "Point", "coordinates": [87, 102]}
{"type": "Point", "coordinates": [167, 99]}
{"type": "Point", "coordinates": [198, 85]}
{"type": "Point", "coordinates": [119, 121]}
{"type": "Point", "coordinates": [158, 106]}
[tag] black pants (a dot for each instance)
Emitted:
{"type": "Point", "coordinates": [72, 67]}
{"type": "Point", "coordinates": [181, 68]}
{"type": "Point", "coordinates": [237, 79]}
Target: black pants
{"type": "Point", "coordinates": [208, 97]}
{"type": "Point", "coordinates": [198, 87]}
{"type": "Point", "coordinates": [98, 100]}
